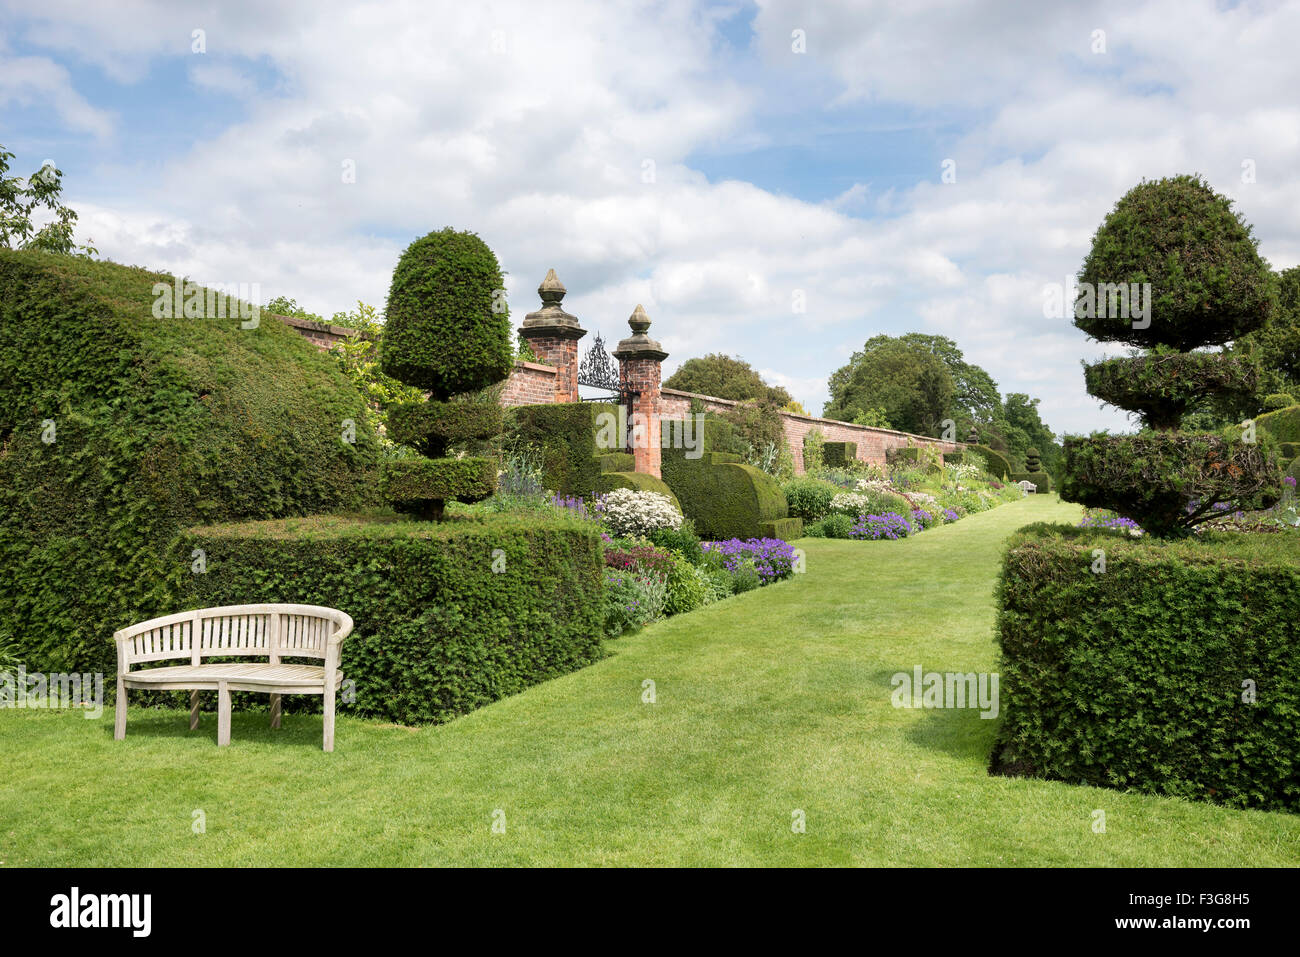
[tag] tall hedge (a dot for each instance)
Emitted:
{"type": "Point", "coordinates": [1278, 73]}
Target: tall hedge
{"type": "Point", "coordinates": [157, 423]}
{"type": "Point", "coordinates": [1173, 669]}
{"type": "Point", "coordinates": [448, 333]}
{"type": "Point", "coordinates": [449, 616]}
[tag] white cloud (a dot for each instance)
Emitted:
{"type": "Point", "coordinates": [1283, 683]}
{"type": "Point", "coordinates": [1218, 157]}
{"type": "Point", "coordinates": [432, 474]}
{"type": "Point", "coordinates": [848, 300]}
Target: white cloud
{"type": "Point", "coordinates": [537, 127]}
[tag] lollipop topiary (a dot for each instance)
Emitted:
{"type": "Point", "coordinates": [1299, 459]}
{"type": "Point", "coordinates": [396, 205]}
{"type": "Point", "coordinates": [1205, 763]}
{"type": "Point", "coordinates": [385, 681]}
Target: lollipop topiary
{"type": "Point", "coordinates": [1171, 269]}
{"type": "Point", "coordinates": [446, 334]}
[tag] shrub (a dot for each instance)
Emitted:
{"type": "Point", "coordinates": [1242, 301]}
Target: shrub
{"type": "Point", "coordinates": [745, 576]}
{"type": "Point", "coordinates": [1136, 678]}
{"type": "Point", "coordinates": [1168, 482]}
{"type": "Point", "coordinates": [682, 540]}
{"type": "Point", "coordinates": [809, 498]}
{"type": "Point", "coordinates": [441, 628]}
{"type": "Point", "coordinates": [719, 583]}
{"type": "Point", "coordinates": [637, 557]}
{"type": "Point", "coordinates": [1161, 387]}
{"type": "Point", "coordinates": [854, 504]}
{"type": "Point", "coordinates": [1278, 400]}
{"type": "Point", "coordinates": [835, 525]}
{"type": "Point", "coordinates": [686, 590]}
{"type": "Point", "coordinates": [632, 599]}
{"type": "Point", "coordinates": [639, 513]}
{"type": "Point", "coordinates": [921, 519]}
{"type": "Point", "coordinates": [159, 423]}
{"type": "Point", "coordinates": [444, 334]}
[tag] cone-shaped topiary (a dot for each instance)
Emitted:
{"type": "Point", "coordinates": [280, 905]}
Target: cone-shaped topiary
{"type": "Point", "coordinates": [448, 333]}
{"type": "Point", "coordinates": [1172, 268]}
{"type": "Point", "coordinates": [1033, 461]}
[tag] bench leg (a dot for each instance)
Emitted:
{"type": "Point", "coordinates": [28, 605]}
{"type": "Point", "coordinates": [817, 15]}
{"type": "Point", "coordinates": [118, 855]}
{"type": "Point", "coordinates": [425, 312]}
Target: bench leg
{"type": "Point", "coordinates": [328, 744]}
{"type": "Point", "coordinates": [194, 709]}
{"type": "Point", "coordinates": [223, 715]}
{"type": "Point", "coordinates": [275, 711]}
{"type": "Point", "coordinates": [119, 714]}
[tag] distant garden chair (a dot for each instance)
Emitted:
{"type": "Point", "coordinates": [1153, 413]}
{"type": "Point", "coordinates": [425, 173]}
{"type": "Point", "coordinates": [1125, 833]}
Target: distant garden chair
{"type": "Point", "coordinates": [1027, 486]}
{"type": "Point", "coordinates": [265, 631]}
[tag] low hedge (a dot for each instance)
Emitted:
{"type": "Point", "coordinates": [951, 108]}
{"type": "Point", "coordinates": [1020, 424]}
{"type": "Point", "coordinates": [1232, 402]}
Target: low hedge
{"type": "Point", "coordinates": [1283, 424]}
{"type": "Point", "coordinates": [1134, 677]}
{"type": "Point", "coordinates": [809, 498]}
{"type": "Point", "coordinates": [429, 427]}
{"type": "Point", "coordinates": [995, 463]}
{"type": "Point", "coordinates": [1041, 479]}
{"type": "Point", "coordinates": [838, 455]}
{"type": "Point", "coordinates": [411, 481]}
{"type": "Point", "coordinates": [449, 616]}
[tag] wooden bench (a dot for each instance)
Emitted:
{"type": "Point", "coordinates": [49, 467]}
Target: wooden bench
{"type": "Point", "coordinates": [244, 631]}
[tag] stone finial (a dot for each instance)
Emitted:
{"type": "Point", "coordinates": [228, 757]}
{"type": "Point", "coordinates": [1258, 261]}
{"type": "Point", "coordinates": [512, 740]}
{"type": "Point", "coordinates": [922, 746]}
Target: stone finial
{"type": "Point", "coordinates": [639, 345]}
{"type": "Point", "coordinates": [551, 290]}
{"type": "Point", "coordinates": [551, 319]}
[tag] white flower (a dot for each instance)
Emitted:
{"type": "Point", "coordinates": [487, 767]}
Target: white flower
{"type": "Point", "coordinates": [629, 512]}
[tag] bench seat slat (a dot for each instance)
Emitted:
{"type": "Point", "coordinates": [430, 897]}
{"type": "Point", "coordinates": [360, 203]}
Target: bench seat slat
{"type": "Point", "coordinates": [295, 675]}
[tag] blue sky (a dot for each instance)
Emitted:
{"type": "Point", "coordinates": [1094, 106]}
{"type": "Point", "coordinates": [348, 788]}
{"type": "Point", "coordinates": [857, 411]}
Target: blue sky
{"type": "Point", "coordinates": [778, 174]}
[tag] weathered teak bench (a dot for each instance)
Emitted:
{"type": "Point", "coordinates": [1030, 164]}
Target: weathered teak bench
{"type": "Point", "coordinates": [261, 631]}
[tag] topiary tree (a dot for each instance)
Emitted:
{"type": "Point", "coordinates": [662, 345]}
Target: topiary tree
{"type": "Point", "coordinates": [1207, 287]}
{"type": "Point", "coordinates": [1033, 461]}
{"type": "Point", "coordinates": [1278, 400]}
{"type": "Point", "coordinates": [447, 334]}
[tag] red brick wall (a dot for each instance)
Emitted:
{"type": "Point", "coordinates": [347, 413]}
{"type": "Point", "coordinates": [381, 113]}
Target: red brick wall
{"type": "Point", "coordinates": [561, 354]}
{"type": "Point", "coordinates": [530, 384]}
{"type": "Point", "coordinates": [872, 443]}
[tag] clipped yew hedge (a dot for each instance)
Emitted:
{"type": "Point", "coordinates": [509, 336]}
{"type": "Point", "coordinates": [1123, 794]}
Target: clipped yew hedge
{"type": "Point", "coordinates": [1140, 676]}
{"type": "Point", "coordinates": [158, 423]}
{"type": "Point", "coordinates": [449, 616]}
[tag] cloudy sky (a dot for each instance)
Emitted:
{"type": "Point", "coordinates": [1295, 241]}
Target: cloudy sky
{"type": "Point", "coordinates": [718, 162]}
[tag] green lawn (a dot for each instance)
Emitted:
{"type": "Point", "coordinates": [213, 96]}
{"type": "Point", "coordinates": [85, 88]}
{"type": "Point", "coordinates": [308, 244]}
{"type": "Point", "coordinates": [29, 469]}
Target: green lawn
{"type": "Point", "coordinates": [769, 702]}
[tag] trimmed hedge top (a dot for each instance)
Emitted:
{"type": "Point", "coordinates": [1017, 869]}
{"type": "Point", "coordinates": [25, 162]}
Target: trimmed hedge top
{"type": "Point", "coordinates": [1209, 284]}
{"type": "Point", "coordinates": [157, 424]}
{"type": "Point", "coordinates": [442, 333]}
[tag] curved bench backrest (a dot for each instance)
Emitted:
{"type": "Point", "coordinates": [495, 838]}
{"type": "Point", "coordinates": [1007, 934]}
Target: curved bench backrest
{"type": "Point", "coordinates": [274, 631]}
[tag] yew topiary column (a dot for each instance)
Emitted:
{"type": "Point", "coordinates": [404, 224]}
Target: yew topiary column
{"type": "Point", "coordinates": [1182, 242]}
{"type": "Point", "coordinates": [448, 334]}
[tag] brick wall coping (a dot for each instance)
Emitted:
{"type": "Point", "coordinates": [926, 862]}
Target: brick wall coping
{"type": "Point", "coordinates": [343, 332]}
{"type": "Point", "coordinates": [535, 366]}
{"type": "Point", "coordinates": [809, 418]}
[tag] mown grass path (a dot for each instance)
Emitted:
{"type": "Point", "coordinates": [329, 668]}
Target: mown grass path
{"type": "Point", "coordinates": [768, 703]}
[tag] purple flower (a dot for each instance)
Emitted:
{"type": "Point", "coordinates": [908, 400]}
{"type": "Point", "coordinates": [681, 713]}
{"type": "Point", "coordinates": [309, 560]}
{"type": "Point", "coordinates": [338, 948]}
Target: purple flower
{"type": "Point", "coordinates": [949, 515]}
{"type": "Point", "coordinates": [773, 558]}
{"type": "Point", "coordinates": [1289, 480]}
{"type": "Point", "coordinates": [891, 525]}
